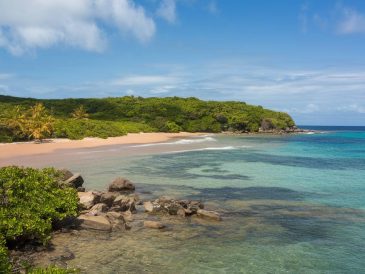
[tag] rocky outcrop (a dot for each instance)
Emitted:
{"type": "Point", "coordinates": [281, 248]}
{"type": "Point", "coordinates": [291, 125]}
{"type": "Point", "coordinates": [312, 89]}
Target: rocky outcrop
{"type": "Point", "coordinates": [113, 210]}
{"type": "Point", "coordinates": [173, 207]}
{"type": "Point", "coordinates": [121, 185]}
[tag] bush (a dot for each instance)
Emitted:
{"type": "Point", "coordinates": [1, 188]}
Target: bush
{"type": "Point", "coordinates": [30, 201]}
{"type": "Point", "coordinates": [52, 270]}
{"type": "Point", "coordinates": [79, 129]}
{"type": "Point", "coordinates": [4, 259]}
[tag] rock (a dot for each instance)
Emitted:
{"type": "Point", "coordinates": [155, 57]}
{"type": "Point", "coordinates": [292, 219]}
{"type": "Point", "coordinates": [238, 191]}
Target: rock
{"type": "Point", "coordinates": [182, 212]}
{"type": "Point", "coordinates": [97, 209]}
{"type": "Point", "coordinates": [95, 222]}
{"type": "Point", "coordinates": [108, 198]}
{"type": "Point", "coordinates": [128, 216]}
{"type": "Point", "coordinates": [74, 181]}
{"type": "Point", "coordinates": [66, 174]}
{"type": "Point", "coordinates": [80, 189]}
{"type": "Point", "coordinates": [121, 185]}
{"type": "Point", "coordinates": [153, 224]}
{"type": "Point", "coordinates": [87, 199]}
{"type": "Point", "coordinates": [116, 219]}
{"type": "Point", "coordinates": [124, 203]}
{"type": "Point", "coordinates": [206, 214]}
{"type": "Point", "coordinates": [151, 207]}
{"type": "Point", "coordinates": [197, 204]}
{"type": "Point", "coordinates": [173, 208]}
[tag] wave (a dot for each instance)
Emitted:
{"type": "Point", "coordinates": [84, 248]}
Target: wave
{"type": "Point", "coordinates": [206, 148]}
{"type": "Point", "coordinates": [180, 142]}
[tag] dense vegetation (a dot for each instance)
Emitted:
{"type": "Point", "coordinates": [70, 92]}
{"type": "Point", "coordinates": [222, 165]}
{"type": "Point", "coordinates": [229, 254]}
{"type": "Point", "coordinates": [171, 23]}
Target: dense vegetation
{"type": "Point", "coordinates": [78, 118]}
{"type": "Point", "coordinates": [31, 201]}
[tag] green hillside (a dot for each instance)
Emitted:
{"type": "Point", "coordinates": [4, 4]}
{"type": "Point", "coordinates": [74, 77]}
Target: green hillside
{"type": "Point", "coordinates": [118, 116]}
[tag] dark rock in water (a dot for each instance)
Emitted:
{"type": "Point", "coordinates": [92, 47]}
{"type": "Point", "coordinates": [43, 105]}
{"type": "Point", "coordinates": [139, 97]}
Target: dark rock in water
{"type": "Point", "coordinates": [74, 181]}
{"type": "Point", "coordinates": [94, 222]}
{"type": "Point", "coordinates": [206, 214]}
{"type": "Point", "coordinates": [153, 224]}
{"type": "Point", "coordinates": [121, 185]}
{"type": "Point", "coordinates": [108, 198]}
{"type": "Point", "coordinates": [80, 189]}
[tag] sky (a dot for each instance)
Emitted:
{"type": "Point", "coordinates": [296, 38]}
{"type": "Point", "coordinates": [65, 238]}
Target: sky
{"type": "Point", "coordinates": [303, 57]}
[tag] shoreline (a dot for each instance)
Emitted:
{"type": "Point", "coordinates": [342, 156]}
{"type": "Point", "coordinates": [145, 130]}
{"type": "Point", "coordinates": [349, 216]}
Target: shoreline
{"type": "Point", "coordinates": [20, 149]}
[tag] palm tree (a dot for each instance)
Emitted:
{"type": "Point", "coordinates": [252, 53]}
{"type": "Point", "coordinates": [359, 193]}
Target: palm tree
{"type": "Point", "coordinates": [80, 113]}
{"type": "Point", "coordinates": [15, 121]}
{"type": "Point", "coordinates": [39, 124]}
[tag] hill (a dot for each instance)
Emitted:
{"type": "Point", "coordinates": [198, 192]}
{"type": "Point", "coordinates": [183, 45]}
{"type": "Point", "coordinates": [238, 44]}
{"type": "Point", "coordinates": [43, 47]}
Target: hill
{"type": "Point", "coordinates": [118, 116]}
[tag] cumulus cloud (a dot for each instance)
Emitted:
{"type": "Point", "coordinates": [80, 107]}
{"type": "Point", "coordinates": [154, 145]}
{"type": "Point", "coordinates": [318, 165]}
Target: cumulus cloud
{"type": "Point", "coordinates": [167, 10]}
{"type": "Point", "coordinates": [31, 24]}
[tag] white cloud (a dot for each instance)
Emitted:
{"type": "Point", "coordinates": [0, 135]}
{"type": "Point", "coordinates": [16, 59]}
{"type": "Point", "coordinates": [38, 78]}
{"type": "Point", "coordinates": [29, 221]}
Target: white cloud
{"type": "Point", "coordinates": [167, 10]}
{"type": "Point", "coordinates": [352, 22]}
{"type": "Point", "coordinates": [352, 108]}
{"type": "Point", "coordinates": [143, 80]}
{"type": "Point", "coordinates": [31, 24]}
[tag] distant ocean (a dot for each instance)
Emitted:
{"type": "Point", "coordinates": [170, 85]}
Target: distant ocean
{"type": "Point", "coordinates": [291, 204]}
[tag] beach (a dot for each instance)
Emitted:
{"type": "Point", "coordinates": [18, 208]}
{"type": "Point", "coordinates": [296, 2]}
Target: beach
{"type": "Point", "coordinates": [13, 153]}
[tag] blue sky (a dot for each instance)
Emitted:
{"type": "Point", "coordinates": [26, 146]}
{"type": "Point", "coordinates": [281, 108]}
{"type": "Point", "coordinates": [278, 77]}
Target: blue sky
{"type": "Point", "coordinates": [303, 57]}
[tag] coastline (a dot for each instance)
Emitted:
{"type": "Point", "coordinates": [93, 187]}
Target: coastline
{"type": "Point", "coordinates": [11, 150]}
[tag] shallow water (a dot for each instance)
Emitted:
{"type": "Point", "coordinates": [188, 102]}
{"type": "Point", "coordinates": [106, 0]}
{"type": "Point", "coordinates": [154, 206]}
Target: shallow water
{"type": "Point", "coordinates": [291, 204]}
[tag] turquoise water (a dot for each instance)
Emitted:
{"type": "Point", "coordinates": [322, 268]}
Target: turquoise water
{"type": "Point", "coordinates": [291, 204]}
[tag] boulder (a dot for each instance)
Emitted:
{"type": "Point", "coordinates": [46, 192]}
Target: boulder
{"type": "Point", "coordinates": [74, 181]}
{"type": "Point", "coordinates": [88, 199]}
{"type": "Point", "coordinates": [80, 189]}
{"type": "Point", "coordinates": [94, 222]}
{"type": "Point", "coordinates": [116, 219]}
{"type": "Point", "coordinates": [128, 216]}
{"type": "Point", "coordinates": [108, 198]}
{"type": "Point", "coordinates": [66, 174]}
{"type": "Point", "coordinates": [124, 203]}
{"type": "Point", "coordinates": [121, 185]}
{"type": "Point", "coordinates": [153, 224]}
{"type": "Point", "coordinates": [97, 209]}
{"type": "Point", "coordinates": [151, 207]}
{"type": "Point", "coordinates": [206, 214]}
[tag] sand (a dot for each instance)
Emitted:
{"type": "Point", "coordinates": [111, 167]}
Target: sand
{"type": "Point", "coordinates": [13, 150]}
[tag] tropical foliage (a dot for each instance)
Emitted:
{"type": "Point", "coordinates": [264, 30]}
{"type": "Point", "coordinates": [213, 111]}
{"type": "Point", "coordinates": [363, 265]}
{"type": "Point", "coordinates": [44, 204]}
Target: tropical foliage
{"type": "Point", "coordinates": [78, 118]}
{"type": "Point", "coordinates": [31, 201]}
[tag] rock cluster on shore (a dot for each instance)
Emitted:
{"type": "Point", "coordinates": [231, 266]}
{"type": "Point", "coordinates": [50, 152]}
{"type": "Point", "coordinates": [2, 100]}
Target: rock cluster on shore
{"type": "Point", "coordinates": [114, 209]}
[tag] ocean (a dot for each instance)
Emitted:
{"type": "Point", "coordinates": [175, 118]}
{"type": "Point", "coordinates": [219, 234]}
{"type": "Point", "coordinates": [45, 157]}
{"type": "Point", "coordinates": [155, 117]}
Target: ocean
{"type": "Point", "coordinates": [290, 204]}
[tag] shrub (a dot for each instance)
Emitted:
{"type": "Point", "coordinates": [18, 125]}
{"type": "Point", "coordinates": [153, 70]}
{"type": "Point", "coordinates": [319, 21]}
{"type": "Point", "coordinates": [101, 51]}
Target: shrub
{"type": "Point", "coordinates": [30, 201]}
{"type": "Point", "coordinates": [4, 259]}
{"type": "Point", "coordinates": [52, 270]}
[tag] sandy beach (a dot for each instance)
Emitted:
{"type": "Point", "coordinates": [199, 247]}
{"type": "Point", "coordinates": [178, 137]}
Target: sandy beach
{"type": "Point", "coordinates": [13, 150]}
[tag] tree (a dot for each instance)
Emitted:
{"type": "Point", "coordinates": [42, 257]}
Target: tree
{"type": "Point", "coordinates": [80, 113]}
{"type": "Point", "coordinates": [15, 121]}
{"type": "Point", "coordinates": [39, 124]}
